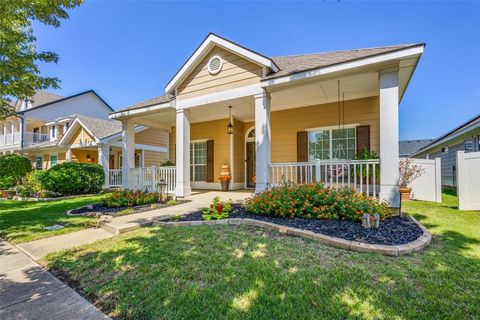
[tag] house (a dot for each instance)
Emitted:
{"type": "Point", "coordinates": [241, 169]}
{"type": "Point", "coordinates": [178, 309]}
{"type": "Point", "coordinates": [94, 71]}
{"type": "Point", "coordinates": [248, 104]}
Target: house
{"type": "Point", "coordinates": [292, 118]}
{"type": "Point", "coordinates": [465, 137]}
{"type": "Point", "coordinates": [409, 147]}
{"type": "Point", "coordinates": [51, 129]}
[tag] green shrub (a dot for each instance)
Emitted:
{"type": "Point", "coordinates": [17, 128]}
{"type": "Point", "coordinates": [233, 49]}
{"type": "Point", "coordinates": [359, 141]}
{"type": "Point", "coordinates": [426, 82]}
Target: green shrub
{"type": "Point", "coordinates": [168, 163]}
{"type": "Point", "coordinates": [13, 168]}
{"type": "Point", "coordinates": [31, 184]}
{"type": "Point", "coordinates": [128, 198]}
{"type": "Point", "coordinates": [72, 178]}
{"type": "Point", "coordinates": [316, 201]}
{"type": "Point", "coordinates": [218, 210]}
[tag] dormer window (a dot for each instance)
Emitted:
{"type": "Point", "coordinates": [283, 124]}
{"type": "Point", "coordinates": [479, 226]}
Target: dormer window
{"type": "Point", "coordinates": [53, 132]}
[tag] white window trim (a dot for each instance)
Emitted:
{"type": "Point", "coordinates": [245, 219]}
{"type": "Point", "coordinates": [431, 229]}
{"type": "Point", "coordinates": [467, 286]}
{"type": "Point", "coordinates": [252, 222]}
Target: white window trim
{"type": "Point", "coordinates": [50, 159]}
{"type": "Point", "coordinates": [192, 160]}
{"type": "Point", "coordinates": [330, 128]}
{"type": "Point", "coordinates": [36, 157]}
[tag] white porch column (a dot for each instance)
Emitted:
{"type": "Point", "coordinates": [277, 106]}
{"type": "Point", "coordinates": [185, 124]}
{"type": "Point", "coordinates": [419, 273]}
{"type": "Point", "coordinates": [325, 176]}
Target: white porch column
{"type": "Point", "coordinates": [262, 140]}
{"type": "Point", "coordinates": [68, 155]}
{"type": "Point", "coordinates": [128, 151]}
{"type": "Point", "coordinates": [103, 160]}
{"type": "Point", "coordinates": [182, 156]}
{"type": "Point", "coordinates": [23, 131]}
{"type": "Point", "coordinates": [389, 138]}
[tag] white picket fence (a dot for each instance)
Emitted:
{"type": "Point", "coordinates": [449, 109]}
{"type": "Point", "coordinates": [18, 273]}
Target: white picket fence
{"type": "Point", "coordinates": [361, 175]}
{"type": "Point", "coordinates": [115, 178]}
{"type": "Point", "coordinates": [468, 180]}
{"type": "Point", "coordinates": [149, 178]}
{"type": "Point", "coordinates": [428, 187]}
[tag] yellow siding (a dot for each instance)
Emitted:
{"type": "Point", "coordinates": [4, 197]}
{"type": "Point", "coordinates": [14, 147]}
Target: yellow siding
{"type": "Point", "coordinates": [80, 155]}
{"type": "Point", "coordinates": [152, 137]}
{"type": "Point", "coordinates": [153, 158]}
{"type": "Point", "coordinates": [236, 72]}
{"type": "Point", "coordinates": [81, 137]}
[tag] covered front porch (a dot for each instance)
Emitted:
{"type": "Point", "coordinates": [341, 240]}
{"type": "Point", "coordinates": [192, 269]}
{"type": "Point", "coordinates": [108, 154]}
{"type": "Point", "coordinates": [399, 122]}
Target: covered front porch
{"type": "Point", "coordinates": [308, 132]}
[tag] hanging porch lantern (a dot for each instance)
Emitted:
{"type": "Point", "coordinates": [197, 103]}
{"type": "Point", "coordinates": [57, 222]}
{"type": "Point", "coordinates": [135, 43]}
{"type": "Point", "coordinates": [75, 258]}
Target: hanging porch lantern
{"type": "Point", "coordinates": [230, 125]}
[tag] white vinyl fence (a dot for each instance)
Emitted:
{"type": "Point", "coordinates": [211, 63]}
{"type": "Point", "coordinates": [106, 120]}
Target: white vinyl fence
{"type": "Point", "coordinates": [428, 186]}
{"type": "Point", "coordinates": [361, 175]}
{"type": "Point", "coordinates": [115, 178]}
{"type": "Point", "coordinates": [468, 180]}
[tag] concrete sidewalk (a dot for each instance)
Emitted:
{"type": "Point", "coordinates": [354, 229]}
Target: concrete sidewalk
{"type": "Point", "coordinates": [27, 291]}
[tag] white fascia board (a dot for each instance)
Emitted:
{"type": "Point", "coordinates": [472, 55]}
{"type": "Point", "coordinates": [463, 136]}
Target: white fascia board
{"type": "Point", "coordinates": [220, 96]}
{"type": "Point", "coordinates": [138, 111]}
{"type": "Point", "coordinates": [401, 54]}
{"type": "Point", "coordinates": [446, 139]}
{"type": "Point", "coordinates": [206, 45]}
{"type": "Point", "coordinates": [142, 147]}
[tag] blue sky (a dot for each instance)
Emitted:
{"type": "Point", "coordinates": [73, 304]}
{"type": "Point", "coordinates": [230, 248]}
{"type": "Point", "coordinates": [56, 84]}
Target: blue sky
{"type": "Point", "coordinates": [127, 51]}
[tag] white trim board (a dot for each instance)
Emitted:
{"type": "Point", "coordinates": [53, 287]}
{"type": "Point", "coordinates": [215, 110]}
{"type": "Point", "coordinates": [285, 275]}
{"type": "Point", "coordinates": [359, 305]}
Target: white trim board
{"type": "Point", "coordinates": [143, 147]}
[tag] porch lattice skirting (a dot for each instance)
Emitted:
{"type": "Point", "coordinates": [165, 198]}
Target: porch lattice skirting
{"type": "Point", "coordinates": [388, 250]}
{"type": "Point", "coordinates": [360, 175]}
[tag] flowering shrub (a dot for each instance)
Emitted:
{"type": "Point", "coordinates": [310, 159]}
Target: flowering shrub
{"type": "Point", "coordinates": [314, 201]}
{"type": "Point", "coordinates": [408, 171]}
{"type": "Point", "coordinates": [217, 210]}
{"type": "Point", "coordinates": [128, 198]}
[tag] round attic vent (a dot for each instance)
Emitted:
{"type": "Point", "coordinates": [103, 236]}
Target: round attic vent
{"type": "Point", "coordinates": [215, 65]}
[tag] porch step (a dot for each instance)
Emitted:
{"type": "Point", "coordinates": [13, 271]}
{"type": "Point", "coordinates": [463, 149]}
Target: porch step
{"type": "Point", "coordinates": [121, 227]}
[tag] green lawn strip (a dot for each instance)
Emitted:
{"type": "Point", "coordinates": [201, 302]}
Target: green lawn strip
{"type": "Point", "coordinates": [23, 221]}
{"type": "Point", "coordinates": [243, 272]}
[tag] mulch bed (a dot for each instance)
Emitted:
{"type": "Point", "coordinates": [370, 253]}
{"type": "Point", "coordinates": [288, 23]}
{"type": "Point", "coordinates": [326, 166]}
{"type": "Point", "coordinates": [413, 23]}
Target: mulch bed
{"type": "Point", "coordinates": [98, 209]}
{"type": "Point", "coordinates": [393, 231]}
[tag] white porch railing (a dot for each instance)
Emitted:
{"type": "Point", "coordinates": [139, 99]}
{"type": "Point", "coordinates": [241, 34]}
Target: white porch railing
{"type": "Point", "coordinates": [361, 175]}
{"type": "Point", "coordinates": [34, 138]}
{"type": "Point", "coordinates": [115, 178]}
{"type": "Point", "coordinates": [148, 178]}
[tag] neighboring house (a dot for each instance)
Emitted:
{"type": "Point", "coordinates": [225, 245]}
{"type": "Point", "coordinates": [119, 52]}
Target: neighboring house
{"type": "Point", "coordinates": [51, 129]}
{"type": "Point", "coordinates": [465, 137]}
{"type": "Point", "coordinates": [287, 113]}
{"type": "Point", "coordinates": [409, 147]}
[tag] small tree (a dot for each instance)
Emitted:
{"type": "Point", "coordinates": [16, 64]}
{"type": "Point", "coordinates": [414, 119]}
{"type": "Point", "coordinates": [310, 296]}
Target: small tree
{"type": "Point", "coordinates": [408, 171]}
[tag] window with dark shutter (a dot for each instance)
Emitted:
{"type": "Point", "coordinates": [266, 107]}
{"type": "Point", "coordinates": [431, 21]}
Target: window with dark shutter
{"type": "Point", "coordinates": [302, 146]}
{"type": "Point", "coordinates": [210, 173]}
{"type": "Point", "coordinates": [363, 138]}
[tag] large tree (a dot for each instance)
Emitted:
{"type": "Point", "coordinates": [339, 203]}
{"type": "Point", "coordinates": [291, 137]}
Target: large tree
{"type": "Point", "coordinates": [20, 75]}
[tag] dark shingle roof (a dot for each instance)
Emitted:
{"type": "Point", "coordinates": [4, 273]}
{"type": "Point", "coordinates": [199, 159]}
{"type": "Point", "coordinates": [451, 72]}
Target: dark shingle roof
{"type": "Point", "coordinates": [408, 147]}
{"type": "Point", "coordinates": [150, 102]}
{"type": "Point", "coordinates": [101, 128]}
{"type": "Point", "coordinates": [304, 62]}
{"type": "Point", "coordinates": [298, 63]}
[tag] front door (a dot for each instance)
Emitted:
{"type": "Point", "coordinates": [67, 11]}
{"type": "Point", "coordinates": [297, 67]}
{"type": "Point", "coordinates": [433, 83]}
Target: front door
{"type": "Point", "coordinates": [250, 164]}
{"type": "Point", "coordinates": [111, 161]}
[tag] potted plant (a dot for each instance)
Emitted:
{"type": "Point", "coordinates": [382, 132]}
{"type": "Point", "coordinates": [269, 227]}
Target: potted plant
{"type": "Point", "coordinates": [408, 171]}
{"type": "Point", "coordinates": [225, 181]}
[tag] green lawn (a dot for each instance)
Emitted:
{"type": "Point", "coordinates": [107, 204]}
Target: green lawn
{"type": "Point", "coordinates": [241, 272]}
{"type": "Point", "coordinates": [22, 221]}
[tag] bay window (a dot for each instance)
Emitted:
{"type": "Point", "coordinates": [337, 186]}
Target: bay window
{"type": "Point", "coordinates": [331, 143]}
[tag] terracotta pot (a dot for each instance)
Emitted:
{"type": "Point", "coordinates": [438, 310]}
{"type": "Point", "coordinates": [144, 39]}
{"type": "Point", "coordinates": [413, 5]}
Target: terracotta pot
{"type": "Point", "coordinates": [225, 184]}
{"type": "Point", "coordinates": [4, 194]}
{"type": "Point", "coordinates": [405, 193]}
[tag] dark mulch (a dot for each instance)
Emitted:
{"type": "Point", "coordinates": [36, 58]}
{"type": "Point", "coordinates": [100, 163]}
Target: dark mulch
{"type": "Point", "coordinates": [393, 231]}
{"type": "Point", "coordinates": [96, 209]}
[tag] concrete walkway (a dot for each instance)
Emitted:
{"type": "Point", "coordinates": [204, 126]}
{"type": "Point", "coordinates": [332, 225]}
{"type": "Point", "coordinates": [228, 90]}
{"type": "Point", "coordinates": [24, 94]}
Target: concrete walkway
{"type": "Point", "coordinates": [27, 291]}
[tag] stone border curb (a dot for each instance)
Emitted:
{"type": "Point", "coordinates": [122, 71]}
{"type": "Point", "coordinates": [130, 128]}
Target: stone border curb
{"type": "Point", "coordinates": [388, 250]}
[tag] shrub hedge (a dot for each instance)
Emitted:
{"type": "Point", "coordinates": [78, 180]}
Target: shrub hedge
{"type": "Point", "coordinates": [72, 178]}
{"type": "Point", "coordinates": [128, 198]}
{"type": "Point", "coordinates": [317, 202]}
{"type": "Point", "coordinates": [13, 168]}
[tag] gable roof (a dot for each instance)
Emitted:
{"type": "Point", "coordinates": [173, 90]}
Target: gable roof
{"type": "Point", "coordinates": [408, 147]}
{"type": "Point", "coordinates": [39, 98]}
{"type": "Point", "coordinates": [65, 98]}
{"type": "Point", "coordinates": [98, 128]}
{"type": "Point", "coordinates": [304, 62]}
{"type": "Point", "coordinates": [164, 98]}
{"type": "Point", "coordinates": [204, 48]}
{"type": "Point", "coordinates": [461, 129]}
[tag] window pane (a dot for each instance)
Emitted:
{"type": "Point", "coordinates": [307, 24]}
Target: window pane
{"type": "Point", "coordinates": [198, 161]}
{"type": "Point", "coordinates": [318, 145]}
{"type": "Point", "coordinates": [343, 143]}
